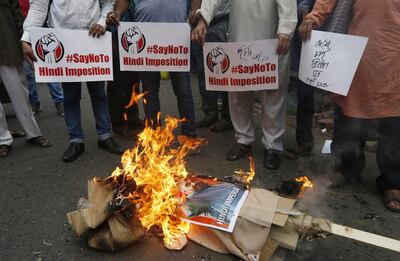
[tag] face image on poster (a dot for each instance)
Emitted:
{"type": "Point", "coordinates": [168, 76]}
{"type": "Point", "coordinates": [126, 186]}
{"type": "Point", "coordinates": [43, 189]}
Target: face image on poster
{"type": "Point", "coordinates": [211, 203]}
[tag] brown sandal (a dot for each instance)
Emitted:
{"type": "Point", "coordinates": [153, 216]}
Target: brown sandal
{"type": "Point", "coordinates": [391, 199]}
{"type": "Point", "coordinates": [40, 141]}
{"type": "Point", "coordinates": [4, 151]}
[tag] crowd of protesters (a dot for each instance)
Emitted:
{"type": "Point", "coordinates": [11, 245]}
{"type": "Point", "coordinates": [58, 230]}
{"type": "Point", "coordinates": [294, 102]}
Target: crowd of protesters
{"type": "Point", "coordinates": [374, 95]}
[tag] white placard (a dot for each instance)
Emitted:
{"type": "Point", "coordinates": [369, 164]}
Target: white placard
{"type": "Point", "coordinates": [154, 46]}
{"type": "Point", "coordinates": [330, 60]}
{"type": "Point", "coordinates": [241, 66]}
{"type": "Point", "coordinates": [327, 147]}
{"type": "Point", "coordinates": [71, 56]}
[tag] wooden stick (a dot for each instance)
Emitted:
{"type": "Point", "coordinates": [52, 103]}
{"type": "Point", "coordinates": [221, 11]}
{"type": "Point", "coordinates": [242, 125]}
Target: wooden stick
{"type": "Point", "coordinates": [365, 237]}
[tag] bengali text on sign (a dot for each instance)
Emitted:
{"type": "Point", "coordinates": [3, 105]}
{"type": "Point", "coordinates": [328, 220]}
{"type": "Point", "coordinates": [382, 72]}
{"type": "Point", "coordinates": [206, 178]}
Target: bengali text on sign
{"type": "Point", "coordinates": [241, 66]}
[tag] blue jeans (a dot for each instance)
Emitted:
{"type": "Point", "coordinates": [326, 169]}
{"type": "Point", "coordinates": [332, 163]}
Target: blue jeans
{"type": "Point", "coordinates": [182, 89]}
{"type": "Point", "coordinates": [54, 88]}
{"type": "Point", "coordinates": [72, 109]}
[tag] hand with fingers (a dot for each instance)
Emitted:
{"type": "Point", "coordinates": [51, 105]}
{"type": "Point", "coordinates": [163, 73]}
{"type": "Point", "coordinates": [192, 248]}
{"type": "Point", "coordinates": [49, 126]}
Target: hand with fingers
{"type": "Point", "coordinates": [113, 18]}
{"type": "Point", "coordinates": [217, 57]}
{"type": "Point", "coordinates": [133, 35]}
{"type": "Point", "coordinates": [199, 33]}
{"type": "Point", "coordinates": [305, 29]}
{"type": "Point", "coordinates": [193, 18]}
{"type": "Point", "coordinates": [284, 41]}
{"type": "Point", "coordinates": [97, 30]}
{"type": "Point", "coordinates": [49, 44]}
{"type": "Point", "coordinates": [27, 51]}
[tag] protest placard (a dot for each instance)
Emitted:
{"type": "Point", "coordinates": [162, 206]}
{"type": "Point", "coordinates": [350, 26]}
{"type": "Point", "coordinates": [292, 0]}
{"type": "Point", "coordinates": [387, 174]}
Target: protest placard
{"type": "Point", "coordinates": [154, 46]}
{"type": "Point", "coordinates": [71, 56]}
{"type": "Point", "coordinates": [241, 66]}
{"type": "Point", "coordinates": [330, 60]}
{"type": "Point", "coordinates": [211, 203]}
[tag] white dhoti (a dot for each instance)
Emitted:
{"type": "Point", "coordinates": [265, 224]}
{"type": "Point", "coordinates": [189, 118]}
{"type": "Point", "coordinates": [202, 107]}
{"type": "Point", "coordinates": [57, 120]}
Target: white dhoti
{"type": "Point", "coordinates": [14, 79]}
{"type": "Point", "coordinates": [273, 117]}
{"type": "Point", "coordinates": [256, 20]}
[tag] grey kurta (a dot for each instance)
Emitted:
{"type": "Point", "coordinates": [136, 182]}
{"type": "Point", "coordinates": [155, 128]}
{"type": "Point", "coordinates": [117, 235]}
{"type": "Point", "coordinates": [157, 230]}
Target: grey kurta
{"type": "Point", "coordinates": [257, 20]}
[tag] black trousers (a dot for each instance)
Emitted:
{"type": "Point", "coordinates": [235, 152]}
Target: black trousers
{"type": "Point", "coordinates": [349, 137]}
{"type": "Point", "coordinates": [217, 32]}
{"type": "Point", "coordinates": [305, 114]}
{"type": "Point", "coordinates": [119, 93]}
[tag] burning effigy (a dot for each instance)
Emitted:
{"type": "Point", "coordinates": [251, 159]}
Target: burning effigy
{"type": "Point", "coordinates": [152, 192]}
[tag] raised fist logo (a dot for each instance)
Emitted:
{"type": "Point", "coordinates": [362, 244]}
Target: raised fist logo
{"type": "Point", "coordinates": [49, 49]}
{"type": "Point", "coordinates": [133, 40]}
{"type": "Point", "coordinates": [217, 61]}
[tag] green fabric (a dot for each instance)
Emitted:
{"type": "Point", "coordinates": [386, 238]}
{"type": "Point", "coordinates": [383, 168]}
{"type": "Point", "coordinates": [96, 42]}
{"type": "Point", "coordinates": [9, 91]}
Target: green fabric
{"type": "Point", "coordinates": [11, 22]}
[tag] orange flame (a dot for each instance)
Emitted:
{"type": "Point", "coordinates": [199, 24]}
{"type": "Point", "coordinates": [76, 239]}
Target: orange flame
{"type": "Point", "coordinates": [247, 176]}
{"type": "Point", "coordinates": [156, 164]}
{"type": "Point", "coordinates": [306, 184]}
{"type": "Point", "coordinates": [135, 97]}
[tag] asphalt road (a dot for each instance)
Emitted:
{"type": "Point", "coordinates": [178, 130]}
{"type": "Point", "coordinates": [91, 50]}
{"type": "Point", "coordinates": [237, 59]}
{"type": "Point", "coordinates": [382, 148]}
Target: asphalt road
{"type": "Point", "coordinates": [38, 189]}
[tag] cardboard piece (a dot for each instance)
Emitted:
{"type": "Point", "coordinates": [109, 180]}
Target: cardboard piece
{"type": "Point", "coordinates": [251, 230]}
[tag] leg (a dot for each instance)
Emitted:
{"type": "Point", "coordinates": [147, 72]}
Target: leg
{"type": "Point", "coordinates": [33, 95]}
{"type": "Point", "coordinates": [72, 110]}
{"type": "Point", "coordinates": [388, 153]}
{"type": "Point", "coordinates": [5, 135]}
{"type": "Point", "coordinates": [134, 122]}
{"type": "Point", "coordinates": [14, 80]}
{"type": "Point", "coordinates": [182, 89]}
{"type": "Point", "coordinates": [209, 98]}
{"type": "Point", "coordinates": [273, 118]}
{"type": "Point", "coordinates": [99, 101]}
{"type": "Point", "coordinates": [388, 157]}
{"type": "Point", "coordinates": [56, 92]}
{"type": "Point", "coordinates": [305, 113]}
{"type": "Point", "coordinates": [151, 85]}
{"type": "Point", "coordinates": [241, 110]}
{"type": "Point", "coordinates": [273, 126]}
{"type": "Point", "coordinates": [349, 138]}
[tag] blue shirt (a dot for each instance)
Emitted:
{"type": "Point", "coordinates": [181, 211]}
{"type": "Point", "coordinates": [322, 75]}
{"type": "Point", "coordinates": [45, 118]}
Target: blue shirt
{"type": "Point", "coordinates": [167, 11]}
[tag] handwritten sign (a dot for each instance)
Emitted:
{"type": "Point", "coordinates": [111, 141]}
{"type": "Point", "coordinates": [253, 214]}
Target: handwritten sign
{"type": "Point", "coordinates": [71, 56]}
{"type": "Point", "coordinates": [241, 66]}
{"type": "Point", "coordinates": [154, 46]}
{"type": "Point", "coordinates": [329, 60]}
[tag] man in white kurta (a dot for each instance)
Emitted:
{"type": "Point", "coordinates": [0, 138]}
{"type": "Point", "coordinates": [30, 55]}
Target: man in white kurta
{"type": "Point", "coordinates": [257, 20]}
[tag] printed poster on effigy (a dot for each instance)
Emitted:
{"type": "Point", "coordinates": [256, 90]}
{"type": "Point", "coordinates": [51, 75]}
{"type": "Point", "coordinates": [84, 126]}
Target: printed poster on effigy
{"type": "Point", "coordinates": [241, 66]}
{"type": "Point", "coordinates": [329, 61]}
{"type": "Point", "coordinates": [154, 47]}
{"type": "Point", "coordinates": [71, 56]}
{"type": "Point", "coordinates": [211, 203]}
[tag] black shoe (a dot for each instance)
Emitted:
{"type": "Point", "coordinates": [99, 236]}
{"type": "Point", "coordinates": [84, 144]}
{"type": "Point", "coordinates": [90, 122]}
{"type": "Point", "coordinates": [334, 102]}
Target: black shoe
{"type": "Point", "coordinates": [207, 121]}
{"type": "Point", "coordinates": [221, 126]}
{"type": "Point", "coordinates": [60, 109]}
{"type": "Point", "coordinates": [111, 146]}
{"type": "Point", "coordinates": [299, 151]}
{"type": "Point", "coordinates": [73, 152]}
{"type": "Point", "coordinates": [272, 159]}
{"type": "Point", "coordinates": [238, 152]}
{"type": "Point", "coordinates": [35, 108]}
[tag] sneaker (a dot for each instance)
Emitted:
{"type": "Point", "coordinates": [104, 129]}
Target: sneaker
{"type": "Point", "coordinates": [60, 109]}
